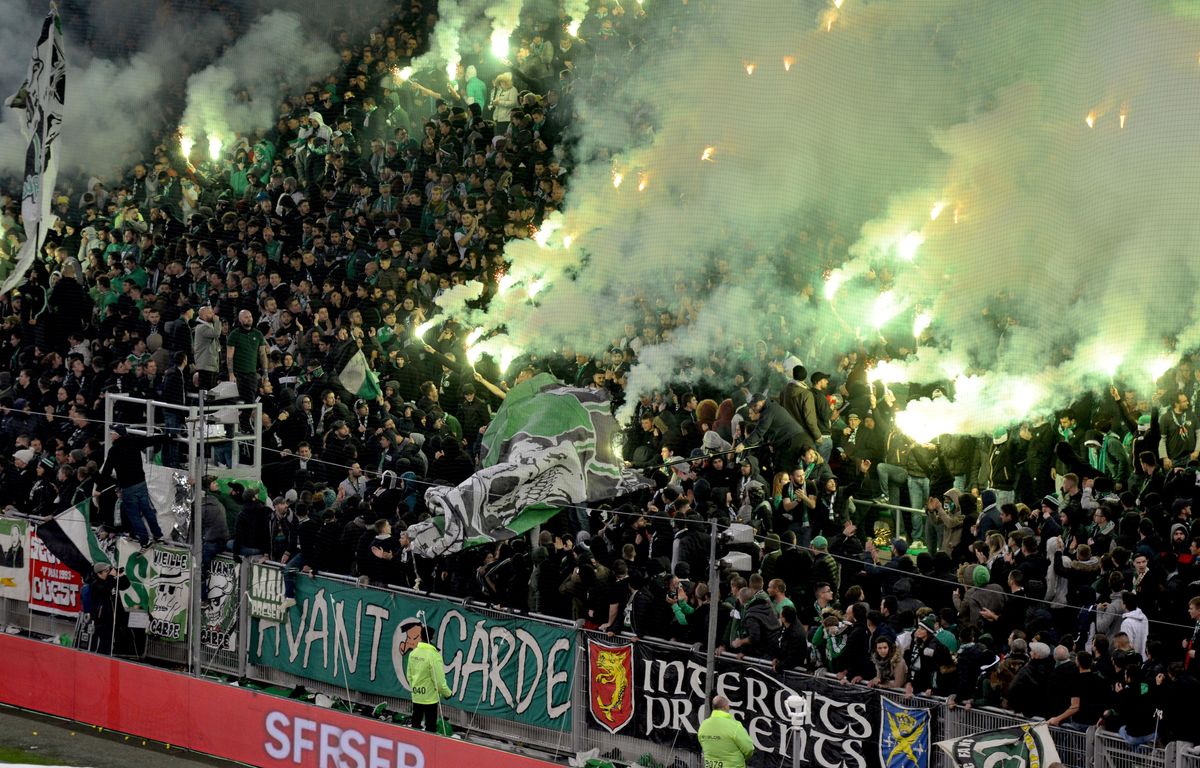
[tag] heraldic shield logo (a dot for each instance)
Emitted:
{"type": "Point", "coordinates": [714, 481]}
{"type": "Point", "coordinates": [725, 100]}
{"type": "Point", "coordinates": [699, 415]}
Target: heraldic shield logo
{"type": "Point", "coordinates": [610, 685]}
{"type": "Point", "coordinates": [903, 736]}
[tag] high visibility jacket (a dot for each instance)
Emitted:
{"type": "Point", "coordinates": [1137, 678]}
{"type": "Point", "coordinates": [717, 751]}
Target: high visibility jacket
{"type": "Point", "coordinates": [724, 741]}
{"type": "Point", "coordinates": [426, 674]}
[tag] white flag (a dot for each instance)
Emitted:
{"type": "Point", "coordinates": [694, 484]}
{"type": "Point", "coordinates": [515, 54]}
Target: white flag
{"type": "Point", "coordinates": [40, 98]}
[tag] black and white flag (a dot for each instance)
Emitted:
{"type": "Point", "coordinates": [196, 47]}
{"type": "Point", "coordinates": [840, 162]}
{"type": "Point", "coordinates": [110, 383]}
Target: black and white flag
{"type": "Point", "coordinates": [40, 98]}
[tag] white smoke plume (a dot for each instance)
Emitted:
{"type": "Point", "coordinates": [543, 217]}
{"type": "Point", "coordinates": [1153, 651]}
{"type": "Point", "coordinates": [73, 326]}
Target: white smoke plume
{"type": "Point", "coordinates": [454, 17]}
{"type": "Point", "coordinates": [241, 91]}
{"type": "Point", "coordinates": [1020, 175]}
{"type": "Point", "coordinates": [461, 20]}
{"type": "Point", "coordinates": [127, 61]}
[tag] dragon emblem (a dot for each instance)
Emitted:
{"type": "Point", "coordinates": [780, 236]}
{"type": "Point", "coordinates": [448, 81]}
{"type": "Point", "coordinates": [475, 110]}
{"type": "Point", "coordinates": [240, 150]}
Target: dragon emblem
{"type": "Point", "coordinates": [610, 685]}
{"type": "Point", "coordinates": [612, 671]}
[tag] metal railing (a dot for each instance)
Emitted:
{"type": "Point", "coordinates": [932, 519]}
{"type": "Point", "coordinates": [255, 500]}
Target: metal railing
{"type": "Point", "coordinates": [1094, 748]}
{"type": "Point", "coordinates": [223, 439]}
{"type": "Point", "coordinates": [1187, 755]}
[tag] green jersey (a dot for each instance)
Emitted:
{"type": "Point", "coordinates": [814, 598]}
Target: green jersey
{"type": "Point", "coordinates": [245, 345]}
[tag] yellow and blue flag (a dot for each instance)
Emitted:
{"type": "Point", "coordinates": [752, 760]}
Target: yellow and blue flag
{"type": "Point", "coordinates": [903, 736]}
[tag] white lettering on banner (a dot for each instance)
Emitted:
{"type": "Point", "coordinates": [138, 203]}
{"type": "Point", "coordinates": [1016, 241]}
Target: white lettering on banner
{"type": "Point", "coordinates": [510, 664]}
{"type": "Point", "coordinates": [380, 615]}
{"type": "Point", "coordinates": [341, 641]}
{"type": "Point", "coordinates": [500, 640]}
{"type": "Point", "coordinates": [294, 638]}
{"type": "Point", "coordinates": [314, 634]}
{"type": "Point", "coordinates": [294, 738]}
{"type": "Point", "coordinates": [529, 647]}
{"type": "Point", "coordinates": [489, 651]}
{"type": "Point", "coordinates": [669, 687]}
{"type": "Point", "coordinates": [51, 590]}
{"type": "Point", "coordinates": [38, 551]}
{"type": "Point", "coordinates": [555, 678]}
{"type": "Point", "coordinates": [169, 630]}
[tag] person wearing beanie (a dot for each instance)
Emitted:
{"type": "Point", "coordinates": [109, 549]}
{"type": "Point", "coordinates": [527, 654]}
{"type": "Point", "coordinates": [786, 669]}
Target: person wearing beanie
{"type": "Point", "coordinates": [925, 656]}
{"type": "Point", "coordinates": [980, 594]}
{"type": "Point", "coordinates": [825, 567]}
{"type": "Point", "coordinates": [989, 519]}
{"type": "Point", "coordinates": [981, 577]}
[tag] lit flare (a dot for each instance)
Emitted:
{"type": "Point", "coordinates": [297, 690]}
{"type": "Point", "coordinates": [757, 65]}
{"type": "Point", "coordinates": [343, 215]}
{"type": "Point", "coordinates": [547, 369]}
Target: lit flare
{"type": "Point", "coordinates": [921, 323]}
{"type": "Point", "coordinates": [500, 43]}
{"type": "Point", "coordinates": [909, 245]}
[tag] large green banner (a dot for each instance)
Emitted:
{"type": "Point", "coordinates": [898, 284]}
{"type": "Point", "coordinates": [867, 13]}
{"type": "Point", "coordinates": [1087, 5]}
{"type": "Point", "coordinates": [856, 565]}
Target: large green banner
{"type": "Point", "coordinates": [159, 584]}
{"type": "Point", "coordinates": [351, 636]}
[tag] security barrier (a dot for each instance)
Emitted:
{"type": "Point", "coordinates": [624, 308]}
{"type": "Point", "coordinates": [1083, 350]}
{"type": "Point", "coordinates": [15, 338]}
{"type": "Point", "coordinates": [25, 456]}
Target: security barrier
{"type": "Point", "coordinates": [581, 733]}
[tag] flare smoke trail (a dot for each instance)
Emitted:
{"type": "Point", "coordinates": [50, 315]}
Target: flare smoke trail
{"type": "Point", "coordinates": [460, 19]}
{"type": "Point", "coordinates": [128, 59]}
{"type": "Point", "coordinates": [1056, 256]}
{"type": "Point", "coordinates": [240, 92]}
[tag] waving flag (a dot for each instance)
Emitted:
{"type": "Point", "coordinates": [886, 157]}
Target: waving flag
{"type": "Point", "coordinates": [69, 536]}
{"type": "Point", "coordinates": [1021, 746]}
{"type": "Point", "coordinates": [358, 378]}
{"type": "Point", "coordinates": [549, 446]}
{"type": "Point", "coordinates": [41, 99]}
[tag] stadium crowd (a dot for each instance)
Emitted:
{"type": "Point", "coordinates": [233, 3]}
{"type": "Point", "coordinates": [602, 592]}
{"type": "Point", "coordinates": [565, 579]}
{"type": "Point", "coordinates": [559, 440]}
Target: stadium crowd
{"type": "Point", "coordinates": [1050, 568]}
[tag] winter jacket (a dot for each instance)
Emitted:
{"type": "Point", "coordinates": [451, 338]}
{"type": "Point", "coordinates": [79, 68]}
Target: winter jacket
{"type": "Point", "coordinates": [724, 741]}
{"type": "Point", "coordinates": [1135, 624]}
{"type": "Point", "coordinates": [797, 399]}
{"type": "Point", "coordinates": [761, 625]}
{"type": "Point", "coordinates": [792, 650]}
{"type": "Point", "coordinates": [1027, 694]}
{"type": "Point", "coordinates": [958, 454]}
{"type": "Point", "coordinates": [426, 673]}
{"type": "Point", "coordinates": [924, 660]}
{"type": "Point", "coordinates": [997, 466]}
{"type": "Point", "coordinates": [974, 661]}
{"type": "Point", "coordinates": [990, 596]}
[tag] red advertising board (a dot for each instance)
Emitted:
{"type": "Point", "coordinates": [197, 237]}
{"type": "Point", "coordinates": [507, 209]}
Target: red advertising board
{"type": "Point", "coordinates": [53, 587]}
{"type": "Point", "coordinates": [182, 711]}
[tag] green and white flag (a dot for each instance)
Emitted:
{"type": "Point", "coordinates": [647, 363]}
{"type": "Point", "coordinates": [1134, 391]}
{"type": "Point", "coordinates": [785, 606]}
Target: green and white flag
{"type": "Point", "coordinates": [358, 378]}
{"type": "Point", "coordinates": [266, 592]}
{"type": "Point", "coordinates": [14, 569]}
{"type": "Point", "coordinates": [69, 537]}
{"type": "Point", "coordinates": [134, 563]}
{"type": "Point", "coordinates": [172, 595]}
{"type": "Point", "coordinates": [220, 606]}
{"type": "Point", "coordinates": [549, 446]}
{"type": "Point", "coordinates": [1021, 746]}
{"type": "Point", "coordinates": [40, 104]}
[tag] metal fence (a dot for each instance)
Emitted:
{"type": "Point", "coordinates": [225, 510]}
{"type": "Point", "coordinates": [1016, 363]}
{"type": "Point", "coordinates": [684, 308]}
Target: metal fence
{"type": "Point", "coordinates": [1186, 755]}
{"type": "Point", "coordinates": [1092, 749]}
{"type": "Point", "coordinates": [227, 450]}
